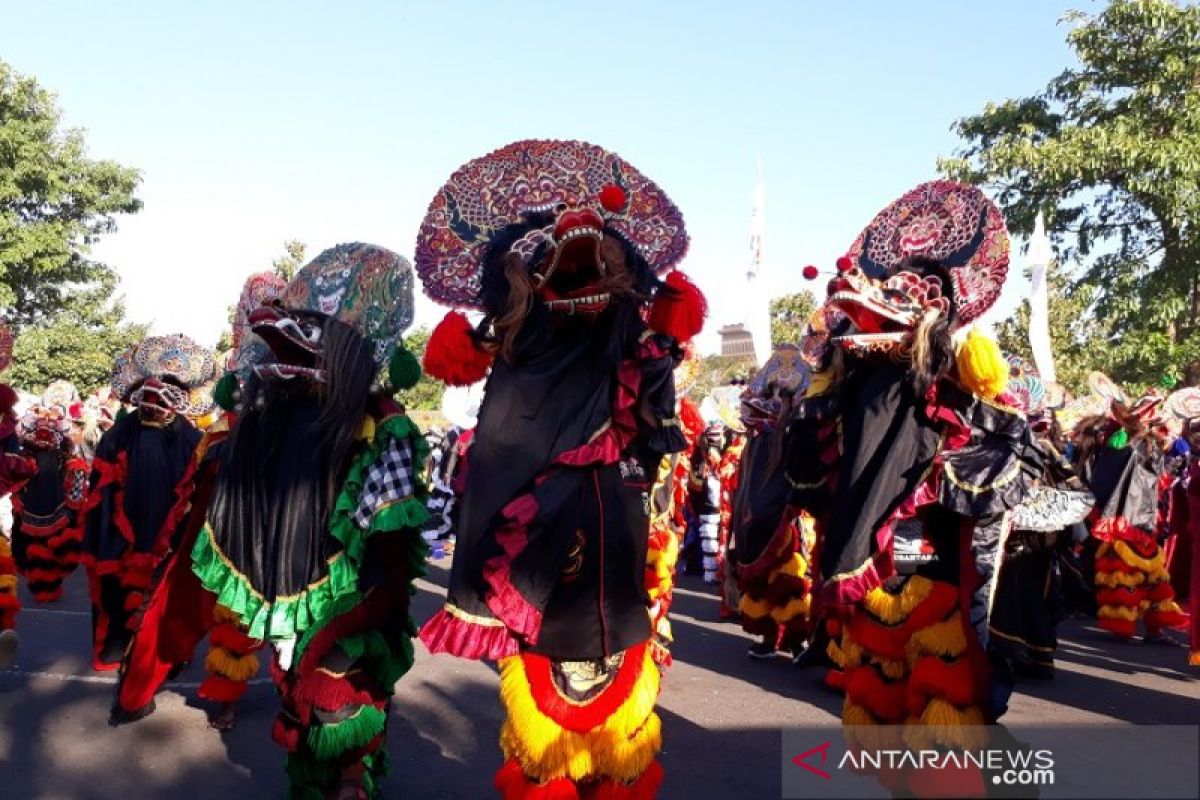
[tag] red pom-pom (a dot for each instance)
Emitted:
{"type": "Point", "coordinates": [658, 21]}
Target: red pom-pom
{"type": "Point", "coordinates": [844, 264]}
{"type": "Point", "coordinates": [613, 198]}
{"type": "Point", "coordinates": [76, 411]}
{"type": "Point", "coordinates": [452, 355]}
{"type": "Point", "coordinates": [679, 310]}
{"type": "Point", "coordinates": [810, 273]}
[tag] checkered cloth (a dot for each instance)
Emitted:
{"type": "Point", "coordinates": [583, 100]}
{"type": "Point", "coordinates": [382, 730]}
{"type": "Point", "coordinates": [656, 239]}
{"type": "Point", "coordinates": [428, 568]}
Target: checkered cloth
{"type": "Point", "coordinates": [389, 480]}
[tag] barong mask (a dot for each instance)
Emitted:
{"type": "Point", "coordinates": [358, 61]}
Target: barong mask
{"type": "Point", "coordinates": [938, 253]}
{"type": "Point", "coordinates": [539, 231]}
{"type": "Point", "coordinates": [43, 427]}
{"type": "Point", "coordinates": [349, 303]}
{"type": "Point", "coordinates": [163, 376]}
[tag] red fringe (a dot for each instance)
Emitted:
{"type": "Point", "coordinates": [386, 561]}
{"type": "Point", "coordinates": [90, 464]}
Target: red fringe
{"type": "Point", "coordinates": [220, 689]}
{"type": "Point", "coordinates": [885, 699]}
{"type": "Point", "coordinates": [965, 782]}
{"type": "Point", "coordinates": [47, 595]}
{"type": "Point", "coordinates": [230, 637]}
{"type": "Point", "coordinates": [1161, 591]}
{"type": "Point", "coordinates": [1124, 628]}
{"type": "Point", "coordinates": [1157, 619]}
{"type": "Point", "coordinates": [679, 309]}
{"type": "Point", "coordinates": [579, 717]}
{"type": "Point", "coordinates": [644, 788]}
{"type": "Point", "coordinates": [452, 355]}
{"type": "Point", "coordinates": [953, 681]}
{"type": "Point", "coordinates": [286, 733]}
{"type": "Point", "coordinates": [836, 679]}
{"type": "Point", "coordinates": [323, 691]}
{"type": "Point", "coordinates": [503, 599]}
{"type": "Point", "coordinates": [1120, 596]}
{"type": "Point", "coordinates": [511, 783]}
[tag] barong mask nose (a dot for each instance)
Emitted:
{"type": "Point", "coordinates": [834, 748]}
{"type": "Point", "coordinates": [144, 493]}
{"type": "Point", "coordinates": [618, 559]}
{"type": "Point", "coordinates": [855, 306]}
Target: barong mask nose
{"type": "Point", "coordinates": [294, 336]}
{"type": "Point", "coordinates": [43, 428]}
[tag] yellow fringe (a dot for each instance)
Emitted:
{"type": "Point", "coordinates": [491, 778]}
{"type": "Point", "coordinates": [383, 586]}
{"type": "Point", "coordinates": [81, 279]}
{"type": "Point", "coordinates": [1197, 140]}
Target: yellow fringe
{"type": "Point", "coordinates": [1130, 613]}
{"type": "Point", "coordinates": [864, 731]}
{"type": "Point", "coordinates": [755, 609]}
{"type": "Point", "coordinates": [621, 749]}
{"type": "Point", "coordinates": [796, 607]}
{"type": "Point", "coordinates": [894, 670]}
{"type": "Point", "coordinates": [1126, 554]}
{"type": "Point", "coordinates": [236, 668]}
{"type": "Point", "coordinates": [1113, 580]}
{"type": "Point", "coordinates": [5, 546]}
{"type": "Point", "coordinates": [1194, 658]}
{"type": "Point", "coordinates": [8, 583]}
{"type": "Point", "coordinates": [836, 654]}
{"type": "Point", "coordinates": [945, 638]}
{"type": "Point", "coordinates": [981, 366]}
{"type": "Point", "coordinates": [943, 724]}
{"type": "Point", "coordinates": [895, 608]}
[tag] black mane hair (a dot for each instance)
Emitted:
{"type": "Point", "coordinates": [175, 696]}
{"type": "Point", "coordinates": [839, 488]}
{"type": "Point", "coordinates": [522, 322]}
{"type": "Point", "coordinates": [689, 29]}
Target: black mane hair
{"type": "Point", "coordinates": [274, 412]}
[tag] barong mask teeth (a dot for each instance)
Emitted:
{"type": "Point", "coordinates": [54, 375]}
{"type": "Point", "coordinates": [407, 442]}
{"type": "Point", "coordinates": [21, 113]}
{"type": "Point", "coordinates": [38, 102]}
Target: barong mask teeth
{"type": "Point", "coordinates": [294, 337]}
{"type": "Point", "coordinates": [882, 316]}
{"type": "Point", "coordinates": [567, 283]}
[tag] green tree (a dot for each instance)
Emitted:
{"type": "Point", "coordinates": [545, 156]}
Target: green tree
{"type": "Point", "coordinates": [292, 259]}
{"type": "Point", "coordinates": [427, 394]}
{"type": "Point", "coordinates": [1110, 151]}
{"type": "Point", "coordinates": [789, 315]}
{"type": "Point", "coordinates": [55, 202]}
{"type": "Point", "coordinates": [78, 343]}
{"type": "Point", "coordinates": [1077, 339]}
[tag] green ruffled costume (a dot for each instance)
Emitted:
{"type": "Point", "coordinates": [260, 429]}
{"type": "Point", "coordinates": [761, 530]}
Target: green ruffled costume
{"type": "Point", "coordinates": [319, 748]}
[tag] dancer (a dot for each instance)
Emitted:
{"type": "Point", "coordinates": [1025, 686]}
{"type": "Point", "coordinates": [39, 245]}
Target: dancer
{"type": "Point", "coordinates": [559, 243]}
{"type": "Point", "coordinates": [307, 519]}
{"type": "Point", "coordinates": [179, 613]}
{"type": "Point", "coordinates": [1121, 461]}
{"type": "Point", "coordinates": [47, 539]}
{"type": "Point", "coordinates": [1022, 618]}
{"type": "Point", "coordinates": [15, 469]}
{"type": "Point", "coordinates": [773, 542]}
{"type": "Point", "coordinates": [907, 464]}
{"type": "Point", "coordinates": [137, 465]}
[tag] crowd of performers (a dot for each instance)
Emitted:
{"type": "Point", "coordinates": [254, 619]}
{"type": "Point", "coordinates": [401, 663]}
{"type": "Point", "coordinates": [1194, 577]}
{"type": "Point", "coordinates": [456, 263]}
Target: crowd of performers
{"type": "Point", "coordinates": [890, 497]}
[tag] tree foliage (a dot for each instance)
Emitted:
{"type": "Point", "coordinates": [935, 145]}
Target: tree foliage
{"type": "Point", "coordinates": [54, 203]}
{"type": "Point", "coordinates": [789, 314]}
{"type": "Point", "coordinates": [1110, 151]}
{"type": "Point", "coordinates": [292, 259]}
{"type": "Point", "coordinates": [78, 343]}
{"type": "Point", "coordinates": [427, 394]}
{"type": "Point", "coordinates": [1077, 339]}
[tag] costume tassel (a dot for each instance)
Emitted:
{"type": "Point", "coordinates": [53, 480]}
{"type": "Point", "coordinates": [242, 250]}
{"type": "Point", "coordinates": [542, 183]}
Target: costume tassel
{"type": "Point", "coordinates": [981, 366]}
{"type": "Point", "coordinates": [452, 355]}
{"type": "Point", "coordinates": [331, 739]}
{"type": "Point", "coordinates": [679, 309]}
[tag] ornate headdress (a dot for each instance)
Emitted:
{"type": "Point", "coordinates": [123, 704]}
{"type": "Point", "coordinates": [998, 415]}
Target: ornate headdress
{"type": "Point", "coordinates": [539, 200]}
{"type": "Point", "coordinates": [938, 250]}
{"type": "Point", "coordinates": [1025, 386]}
{"type": "Point", "coordinates": [177, 369]}
{"type": "Point", "coordinates": [260, 289]}
{"type": "Point", "coordinates": [365, 286]}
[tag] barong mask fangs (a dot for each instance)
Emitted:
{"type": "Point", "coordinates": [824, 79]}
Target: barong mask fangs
{"type": "Point", "coordinates": [163, 376]}
{"type": "Point", "coordinates": [574, 264]}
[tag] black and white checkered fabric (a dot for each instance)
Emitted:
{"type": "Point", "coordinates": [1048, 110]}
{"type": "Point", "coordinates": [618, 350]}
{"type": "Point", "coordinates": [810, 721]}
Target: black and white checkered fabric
{"type": "Point", "coordinates": [389, 479]}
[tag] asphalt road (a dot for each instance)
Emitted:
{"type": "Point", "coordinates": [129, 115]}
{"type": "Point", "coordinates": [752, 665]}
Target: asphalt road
{"type": "Point", "coordinates": [722, 713]}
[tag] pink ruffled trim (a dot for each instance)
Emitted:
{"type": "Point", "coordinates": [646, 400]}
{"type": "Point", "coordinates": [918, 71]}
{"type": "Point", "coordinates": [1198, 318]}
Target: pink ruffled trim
{"type": "Point", "coordinates": [848, 591]}
{"type": "Point", "coordinates": [446, 633]}
{"type": "Point", "coordinates": [503, 599]}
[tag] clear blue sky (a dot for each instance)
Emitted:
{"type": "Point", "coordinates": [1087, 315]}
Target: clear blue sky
{"type": "Point", "coordinates": [256, 122]}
